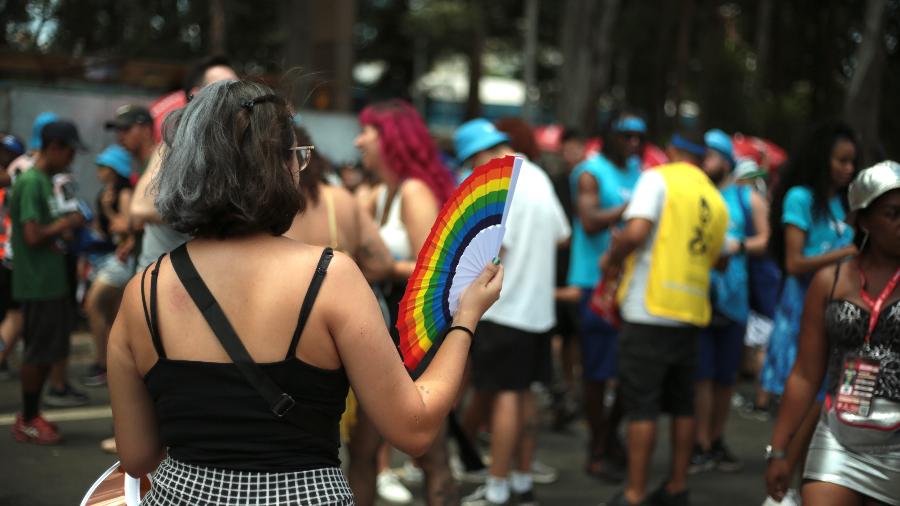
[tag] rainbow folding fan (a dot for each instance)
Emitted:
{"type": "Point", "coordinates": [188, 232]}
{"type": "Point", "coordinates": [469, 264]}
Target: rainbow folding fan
{"type": "Point", "coordinates": [466, 236]}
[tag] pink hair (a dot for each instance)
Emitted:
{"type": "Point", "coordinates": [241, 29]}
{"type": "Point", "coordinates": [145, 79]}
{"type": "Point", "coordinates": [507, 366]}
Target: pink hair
{"type": "Point", "coordinates": [406, 146]}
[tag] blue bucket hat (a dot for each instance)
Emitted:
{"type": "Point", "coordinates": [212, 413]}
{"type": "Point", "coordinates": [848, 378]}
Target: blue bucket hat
{"type": "Point", "coordinates": [475, 136]}
{"type": "Point", "coordinates": [719, 141]}
{"type": "Point", "coordinates": [116, 158]}
{"type": "Point", "coordinates": [42, 120]}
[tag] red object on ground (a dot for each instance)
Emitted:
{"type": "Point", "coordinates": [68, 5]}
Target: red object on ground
{"type": "Point", "coordinates": [767, 154]}
{"type": "Point", "coordinates": [161, 107]}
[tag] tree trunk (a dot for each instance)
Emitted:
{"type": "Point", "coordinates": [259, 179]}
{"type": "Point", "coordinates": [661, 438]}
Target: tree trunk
{"type": "Point", "coordinates": [217, 42]}
{"type": "Point", "coordinates": [577, 51]}
{"type": "Point", "coordinates": [683, 52]}
{"type": "Point", "coordinates": [862, 104]}
{"type": "Point", "coordinates": [529, 109]}
{"type": "Point", "coordinates": [603, 61]}
{"type": "Point", "coordinates": [476, 50]}
{"type": "Point", "coordinates": [763, 37]}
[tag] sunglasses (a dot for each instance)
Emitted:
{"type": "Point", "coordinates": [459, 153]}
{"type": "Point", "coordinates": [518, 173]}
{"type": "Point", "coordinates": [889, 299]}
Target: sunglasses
{"type": "Point", "coordinates": [304, 155]}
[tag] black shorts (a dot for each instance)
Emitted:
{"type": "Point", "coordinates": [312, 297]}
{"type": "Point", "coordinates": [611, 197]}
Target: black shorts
{"type": "Point", "coordinates": [656, 370]}
{"type": "Point", "coordinates": [48, 327]}
{"type": "Point", "coordinates": [566, 319]}
{"type": "Point", "coordinates": [6, 299]}
{"type": "Point", "coordinates": [504, 358]}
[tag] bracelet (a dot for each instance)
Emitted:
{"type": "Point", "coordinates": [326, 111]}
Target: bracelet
{"type": "Point", "coordinates": [464, 329]}
{"type": "Point", "coordinates": [772, 453]}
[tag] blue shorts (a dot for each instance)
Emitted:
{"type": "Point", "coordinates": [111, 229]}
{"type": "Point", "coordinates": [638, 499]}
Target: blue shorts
{"type": "Point", "coordinates": [599, 343]}
{"type": "Point", "coordinates": [721, 348]}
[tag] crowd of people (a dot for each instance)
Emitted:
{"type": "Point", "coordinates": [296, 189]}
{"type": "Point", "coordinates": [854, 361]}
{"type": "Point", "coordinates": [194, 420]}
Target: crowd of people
{"type": "Point", "coordinates": [242, 294]}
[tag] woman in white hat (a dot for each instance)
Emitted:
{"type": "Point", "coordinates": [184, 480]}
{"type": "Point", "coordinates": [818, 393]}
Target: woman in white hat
{"type": "Point", "coordinates": [851, 330]}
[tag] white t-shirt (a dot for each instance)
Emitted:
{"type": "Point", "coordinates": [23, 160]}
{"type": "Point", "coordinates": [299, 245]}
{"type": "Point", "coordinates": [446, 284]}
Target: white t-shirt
{"type": "Point", "coordinates": [647, 202]}
{"type": "Point", "coordinates": [536, 223]}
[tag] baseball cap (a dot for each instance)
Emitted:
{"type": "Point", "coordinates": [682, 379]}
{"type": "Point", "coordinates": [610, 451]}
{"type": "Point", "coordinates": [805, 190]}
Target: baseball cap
{"type": "Point", "coordinates": [747, 168]}
{"type": "Point", "coordinates": [872, 183]}
{"type": "Point", "coordinates": [475, 136]}
{"type": "Point", "coordinates": [116, 158]}
{"type": "Point", "coordinates": [12, 144]}
{"type": "Point", "coordinates": [719, 141]}
{"type": "Point", "coordinates": [630, 124]}
{"type": "Point", "coordinates": [39, 123]}
{"type": "Point", "coordinates": [63, 131]}
{"type": "Point", "coordinates": [128, 115]}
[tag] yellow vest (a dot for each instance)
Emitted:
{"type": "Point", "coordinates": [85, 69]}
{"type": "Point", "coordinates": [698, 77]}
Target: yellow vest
{"type": "Point", "coordinates": [689, 239]}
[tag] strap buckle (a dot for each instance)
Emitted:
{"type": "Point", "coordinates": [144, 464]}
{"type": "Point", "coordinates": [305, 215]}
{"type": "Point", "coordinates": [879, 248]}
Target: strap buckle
{"type": "Point", "coordinates": [284, 404]}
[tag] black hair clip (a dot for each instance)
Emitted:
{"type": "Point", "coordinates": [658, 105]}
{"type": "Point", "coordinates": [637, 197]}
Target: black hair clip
{"type": "Point", "coordinates": [249, 104]}
{"type": "Point", "coordinates": [190, 97]}
{"type": "Point", "coordinates": [260, 99]}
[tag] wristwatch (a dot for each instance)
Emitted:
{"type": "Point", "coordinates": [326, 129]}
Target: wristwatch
{"type": "Point", "coordinates": [772, 453]}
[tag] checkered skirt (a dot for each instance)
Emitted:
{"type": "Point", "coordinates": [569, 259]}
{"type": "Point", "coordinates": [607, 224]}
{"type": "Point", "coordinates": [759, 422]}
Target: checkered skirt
{"type": "Point", "coordinates": [176, 483]}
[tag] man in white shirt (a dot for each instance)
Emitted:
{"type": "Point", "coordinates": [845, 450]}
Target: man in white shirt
{"type": "Point", "coordinates": [512, 343]}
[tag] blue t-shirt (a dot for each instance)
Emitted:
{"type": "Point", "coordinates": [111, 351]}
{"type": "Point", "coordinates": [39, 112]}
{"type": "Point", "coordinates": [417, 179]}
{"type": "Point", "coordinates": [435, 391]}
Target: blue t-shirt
{"type": "Point", "coordinates": [824, 231]}
{"type": "Point", "coordinates": [616, 185]}
{"type": "Point", "coordinates": [731, 289]}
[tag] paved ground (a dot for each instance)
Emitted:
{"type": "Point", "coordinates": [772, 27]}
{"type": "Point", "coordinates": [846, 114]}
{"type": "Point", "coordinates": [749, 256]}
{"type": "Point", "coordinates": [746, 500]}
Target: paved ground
{"type": "Point", "coordinates": [52, 476]}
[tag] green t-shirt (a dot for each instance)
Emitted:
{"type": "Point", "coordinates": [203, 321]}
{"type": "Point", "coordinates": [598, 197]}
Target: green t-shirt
{"type": "Point", "coordinates": [39, 273]}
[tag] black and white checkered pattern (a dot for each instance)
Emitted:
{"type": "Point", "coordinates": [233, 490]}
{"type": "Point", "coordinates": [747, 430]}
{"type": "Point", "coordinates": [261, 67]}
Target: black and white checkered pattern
{"type": "Point", "coordinates": [176, 483]}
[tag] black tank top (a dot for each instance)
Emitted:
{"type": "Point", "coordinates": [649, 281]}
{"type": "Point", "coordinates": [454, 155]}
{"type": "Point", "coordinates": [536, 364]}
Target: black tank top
{"type": "Point", "coordinates": [210, 415]}
{"type": "Point", "coordinates": [846, 324]}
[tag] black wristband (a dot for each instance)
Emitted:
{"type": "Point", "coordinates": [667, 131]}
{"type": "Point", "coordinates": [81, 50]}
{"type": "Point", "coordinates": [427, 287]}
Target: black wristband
{"type": "Point", "coordinates": [464, 329]}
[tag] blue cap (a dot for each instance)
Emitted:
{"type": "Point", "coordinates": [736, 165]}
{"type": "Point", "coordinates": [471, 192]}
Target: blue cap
{"type": "Point", "coordinates": [475, 136]}
{"type": "Point", "coordinates": [719, 141]}
{"type": "Point", "coordinates": [12, 144]}
{"type": "Point", "coordinates": [630, 124]}
{"type": "Point", "coordinates": [39, 123]}
{"type": "Point", "coordinates": [116, 158]}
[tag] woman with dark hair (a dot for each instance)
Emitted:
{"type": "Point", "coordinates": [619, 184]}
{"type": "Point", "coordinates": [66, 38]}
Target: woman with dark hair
{"type": "Point", "coordinates": [395, 144]}
{"type": "Point", "coordinates": [215, 383]}
{"type": "Point", "coordinates": [850, 334]}
{"type": "Point", "coordinates": [808, 233]}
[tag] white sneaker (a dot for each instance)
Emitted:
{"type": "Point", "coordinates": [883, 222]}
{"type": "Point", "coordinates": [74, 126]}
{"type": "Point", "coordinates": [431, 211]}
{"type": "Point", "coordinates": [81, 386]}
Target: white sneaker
{"type": "Point", "coordinates": [542, 473]}
{"type": "Point", "coordinates": [792, 498]}
{"type": "Point", "coordinates": [391, 490]}
{"type": "Point", "coordinates": [410, 473]}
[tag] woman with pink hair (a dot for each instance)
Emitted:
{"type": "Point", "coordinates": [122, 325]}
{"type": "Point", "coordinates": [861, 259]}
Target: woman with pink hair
{"type": "Point", "coordinates": [395, 144]}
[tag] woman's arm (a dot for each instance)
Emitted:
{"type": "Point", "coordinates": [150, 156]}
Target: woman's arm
{"type": "Point", "coordinates": [759, 212]}
{"type": "Point", "coordinates": [805, 379]}
{"type": "Point", "coordinates": [794, 261]}
{"type": "Point", "coordinates": [418, 210]}
{"type": "Point", "coordinates": [373, 256]}
{"type": "Point", "coordinates": [134, 417]}
{"type": "Point", "coordinates": [408, 414]}
{"type": "Point", "coordinates": [142, 207]}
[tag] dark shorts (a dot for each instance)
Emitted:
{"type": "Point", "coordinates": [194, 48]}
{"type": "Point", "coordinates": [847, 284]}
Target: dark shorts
{"type": "Point", "coordinates": [48, 327]}
{"type": "Point", "coordinates": [6, 299]}
{"type": "Point", "coordinates": [566, 319]}
{"type": "Point", "coordinates": [504, 358]}
{"type": "Point", "coordinates": [720, 351]}
{"type": "Point", "coordinates": [599, 343]}
{"type": "Point", "coordinates": [656, 370]}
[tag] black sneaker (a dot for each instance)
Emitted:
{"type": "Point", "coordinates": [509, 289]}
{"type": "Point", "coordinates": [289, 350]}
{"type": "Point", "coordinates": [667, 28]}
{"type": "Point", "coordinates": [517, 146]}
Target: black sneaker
{"type": "Point", "coordinates": [662, 497]}
{"type": "Point", "coordinates": [526, 498]}
{"type": "Point", "coordinates": [723, 458]}
{"type": "Point", "coordinates": [95, 377]}
{"type": "Point", "coordinates": [701, 461]}
{"type": "Point", "coordinates": [66, 398]}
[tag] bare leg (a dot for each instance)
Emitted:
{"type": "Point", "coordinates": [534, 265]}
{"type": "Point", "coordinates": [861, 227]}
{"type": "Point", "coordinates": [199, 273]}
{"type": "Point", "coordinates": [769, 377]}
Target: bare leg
{"type": "Point", "coordinates": [476, 413]}
{"type": "Point", "coordinates": [505, 422]}
{"type": "Point", "coordinates": [641, 441]}
{"type": "Point", "coordinates": [594, 400]}
{"type": "Point", "coordinates": [59, 375]}
{"type": "Point", "coordinates": [528, 430]}
{"type": "Point", "coordinates": [683, 430]}
{"type": "Point", "coordinates": [10, 332]}
{"type": "Point", "coordinates": [829, 494]}
{"type": "Point", "coordinates": [363, 467]}
{"type": "Point", "coordinates": [704, 412]}
{"type": "Point", "coordinates": [721, 408]}
{"type": "Point", "coordinates": [102, 303]}
{"type": "Point", "coordinates": [440, 487]}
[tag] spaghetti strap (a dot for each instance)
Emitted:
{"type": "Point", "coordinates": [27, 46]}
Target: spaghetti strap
{"type": "Point", "coordinates": [309, 300]}
{"type": "Point", "coordinates": [151, 316]}
{"type": "Point", "coordinates": [837, 274]}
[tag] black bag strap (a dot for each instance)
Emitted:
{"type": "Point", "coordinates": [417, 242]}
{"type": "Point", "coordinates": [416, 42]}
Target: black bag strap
{"type": "Point", "coordinates": [311, 293]}
{"type": "Point", "coordinates": [279, 402]}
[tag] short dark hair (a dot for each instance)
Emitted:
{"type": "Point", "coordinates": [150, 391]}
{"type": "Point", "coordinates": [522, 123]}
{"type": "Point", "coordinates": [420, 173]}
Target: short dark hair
{"type": "Point", "coordinates": [227, 169]}
{"type": "Point", "coordinates": [194, 77]}
{"type": "Point", "coordinates": [572, 134]}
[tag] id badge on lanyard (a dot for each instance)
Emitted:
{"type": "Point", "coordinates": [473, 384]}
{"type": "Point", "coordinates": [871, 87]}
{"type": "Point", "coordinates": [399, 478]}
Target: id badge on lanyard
{"type": "Point", "coordinates": [860, 371]}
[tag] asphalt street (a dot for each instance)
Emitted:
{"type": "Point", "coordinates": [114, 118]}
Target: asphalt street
{"type": "Point", "coordinates": [59, 475]}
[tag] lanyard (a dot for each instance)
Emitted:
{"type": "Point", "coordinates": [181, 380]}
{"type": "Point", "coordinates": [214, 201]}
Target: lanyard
{"type": "Point", "coordinates": [876, 305]}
